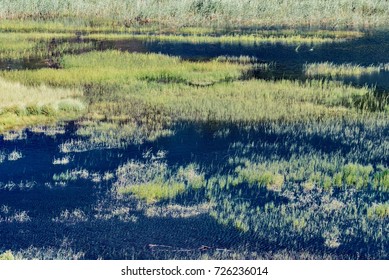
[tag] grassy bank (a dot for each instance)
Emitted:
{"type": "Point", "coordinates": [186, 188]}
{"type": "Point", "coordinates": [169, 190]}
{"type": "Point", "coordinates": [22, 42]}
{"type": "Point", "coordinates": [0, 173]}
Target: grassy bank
{"type": "Point", "coordinates": [23, 106]}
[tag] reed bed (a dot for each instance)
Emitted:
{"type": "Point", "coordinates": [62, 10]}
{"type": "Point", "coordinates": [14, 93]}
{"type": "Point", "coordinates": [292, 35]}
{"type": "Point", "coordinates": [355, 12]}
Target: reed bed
{"type": "Point", "coordinates": [250, 39]}
{"type": "Point", "coordinates": [333, 14]}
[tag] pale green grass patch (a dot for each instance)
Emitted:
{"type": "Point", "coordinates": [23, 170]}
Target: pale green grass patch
{"type": "Point", "coordinates": [333, 70]}
{"type": "Point", "coordinates": [154, 191]}
{"type": "Point", "coordinates": [22, 105]}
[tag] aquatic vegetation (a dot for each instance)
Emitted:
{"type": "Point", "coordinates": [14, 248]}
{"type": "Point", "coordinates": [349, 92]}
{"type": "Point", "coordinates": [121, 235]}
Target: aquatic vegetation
{"type": "Point", "coordinates": [62, 161]}
{"type": "Point", "coordinates": [153, 191]}
{"type": "Point", "coordinates": [332, 70]}
{"type": "Point", "coordinates": [380, 211]}
{"type": "Point", "coordinates": [63, 252]}
{"type": "Point", "coordinates": [76, 174]}
{"type": "Point", "coordinates": [116, 68]}
{"type": "Point", "coordinates": [158, 89]}
{"type": "Point", "coordinates": [71, 217]}
{"type": "Point", "coordinates": [14, 135]}
{"type": "Point", "coordinates": [7, 255]}
{"type": "Point", "coordinates": [8, 215]}
{"type": "Point", "coordinates": [250, 39]}
{"type": "Point", "coordinates": [177, 210]}
{"type": "Point", "coordinates": [14, 155]}
{"type": "Point", "coordinates": [2, 156]}
{"type": "Point", "coordinates": [153, 181]}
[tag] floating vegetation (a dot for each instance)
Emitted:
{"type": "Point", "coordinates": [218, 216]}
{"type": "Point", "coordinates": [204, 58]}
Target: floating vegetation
{"type": "Point", "coordinates": [7, 215]}
{"type": "Point", "coordinates": [62, 161]}
{"type": "Point", "coordinates": [14, 155]}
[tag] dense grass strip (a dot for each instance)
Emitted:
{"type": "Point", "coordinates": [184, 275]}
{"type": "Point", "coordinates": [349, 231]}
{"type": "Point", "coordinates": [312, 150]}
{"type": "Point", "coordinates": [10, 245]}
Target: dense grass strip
{"type": "Point", "coordinates": [327, 13]}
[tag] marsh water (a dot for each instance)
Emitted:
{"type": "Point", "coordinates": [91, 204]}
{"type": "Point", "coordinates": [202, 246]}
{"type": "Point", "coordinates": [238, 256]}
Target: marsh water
{"type": "Point", "coordinates": [43, 211]}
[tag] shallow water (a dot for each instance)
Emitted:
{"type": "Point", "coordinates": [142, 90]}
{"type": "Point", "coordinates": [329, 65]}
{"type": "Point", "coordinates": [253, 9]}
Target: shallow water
{"type": "Point", "coordinates": [81, 212]}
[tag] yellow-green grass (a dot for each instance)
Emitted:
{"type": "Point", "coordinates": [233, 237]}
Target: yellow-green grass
{"type": "Point", "coordinates": [22, 106]}
{"type": "Point", "coordinates": [115, 67]}
{"type": "Point", "coordinates": [332, 70]}
{"type": "Point", "coordinates": [154, 191]}
{"type": "Point", "coordinates": [380, 211]}
{"type": "Point", "coordinates": [7, 255]}
{"type": "Point", "coordinates": [156, 89]}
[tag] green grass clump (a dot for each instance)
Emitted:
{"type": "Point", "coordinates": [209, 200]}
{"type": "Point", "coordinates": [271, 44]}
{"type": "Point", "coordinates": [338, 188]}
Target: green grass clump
{"type": "Point", "coordinates": [380, 211]}
{"type": "Point", "coordinates": [259, 175]}
{"type": "Point", "coordinates": [332, 70]}
{"type": "Point", "coordinates": [7, 255]}
{"type": "Point", "coordinates": [154, 191]}
{"type": "Point", "coordinates": [153, 181]}
{"type": "Point", "coordinates": [356, 175]}
{"type": "Point", "coordinates": [192, 176]}
{"type": "Point", "coordinates": [381, 179]}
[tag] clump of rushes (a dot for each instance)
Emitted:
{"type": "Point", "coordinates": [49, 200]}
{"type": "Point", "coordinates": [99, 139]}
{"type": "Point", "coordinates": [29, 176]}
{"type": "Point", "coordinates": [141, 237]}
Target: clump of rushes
{"type": "Point", "coordinates": [330, 69]}
{"type": "Point", "coordinates": [152, 180]}
{"type": "Point", "coordinates": [22, 105]}
{"type": "Point", "coordinates": [154, 191]}
{"type": "Point", "coordinates": [260, 176]}
{"type": "Point", "coordinates": [380, 211]}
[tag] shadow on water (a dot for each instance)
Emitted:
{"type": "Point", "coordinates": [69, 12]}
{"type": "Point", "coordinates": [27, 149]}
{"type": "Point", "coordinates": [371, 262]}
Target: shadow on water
{"type": "Point", "coordinates": [288, 60]}
{"type": "Point", "coordinates": [29, 184]}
